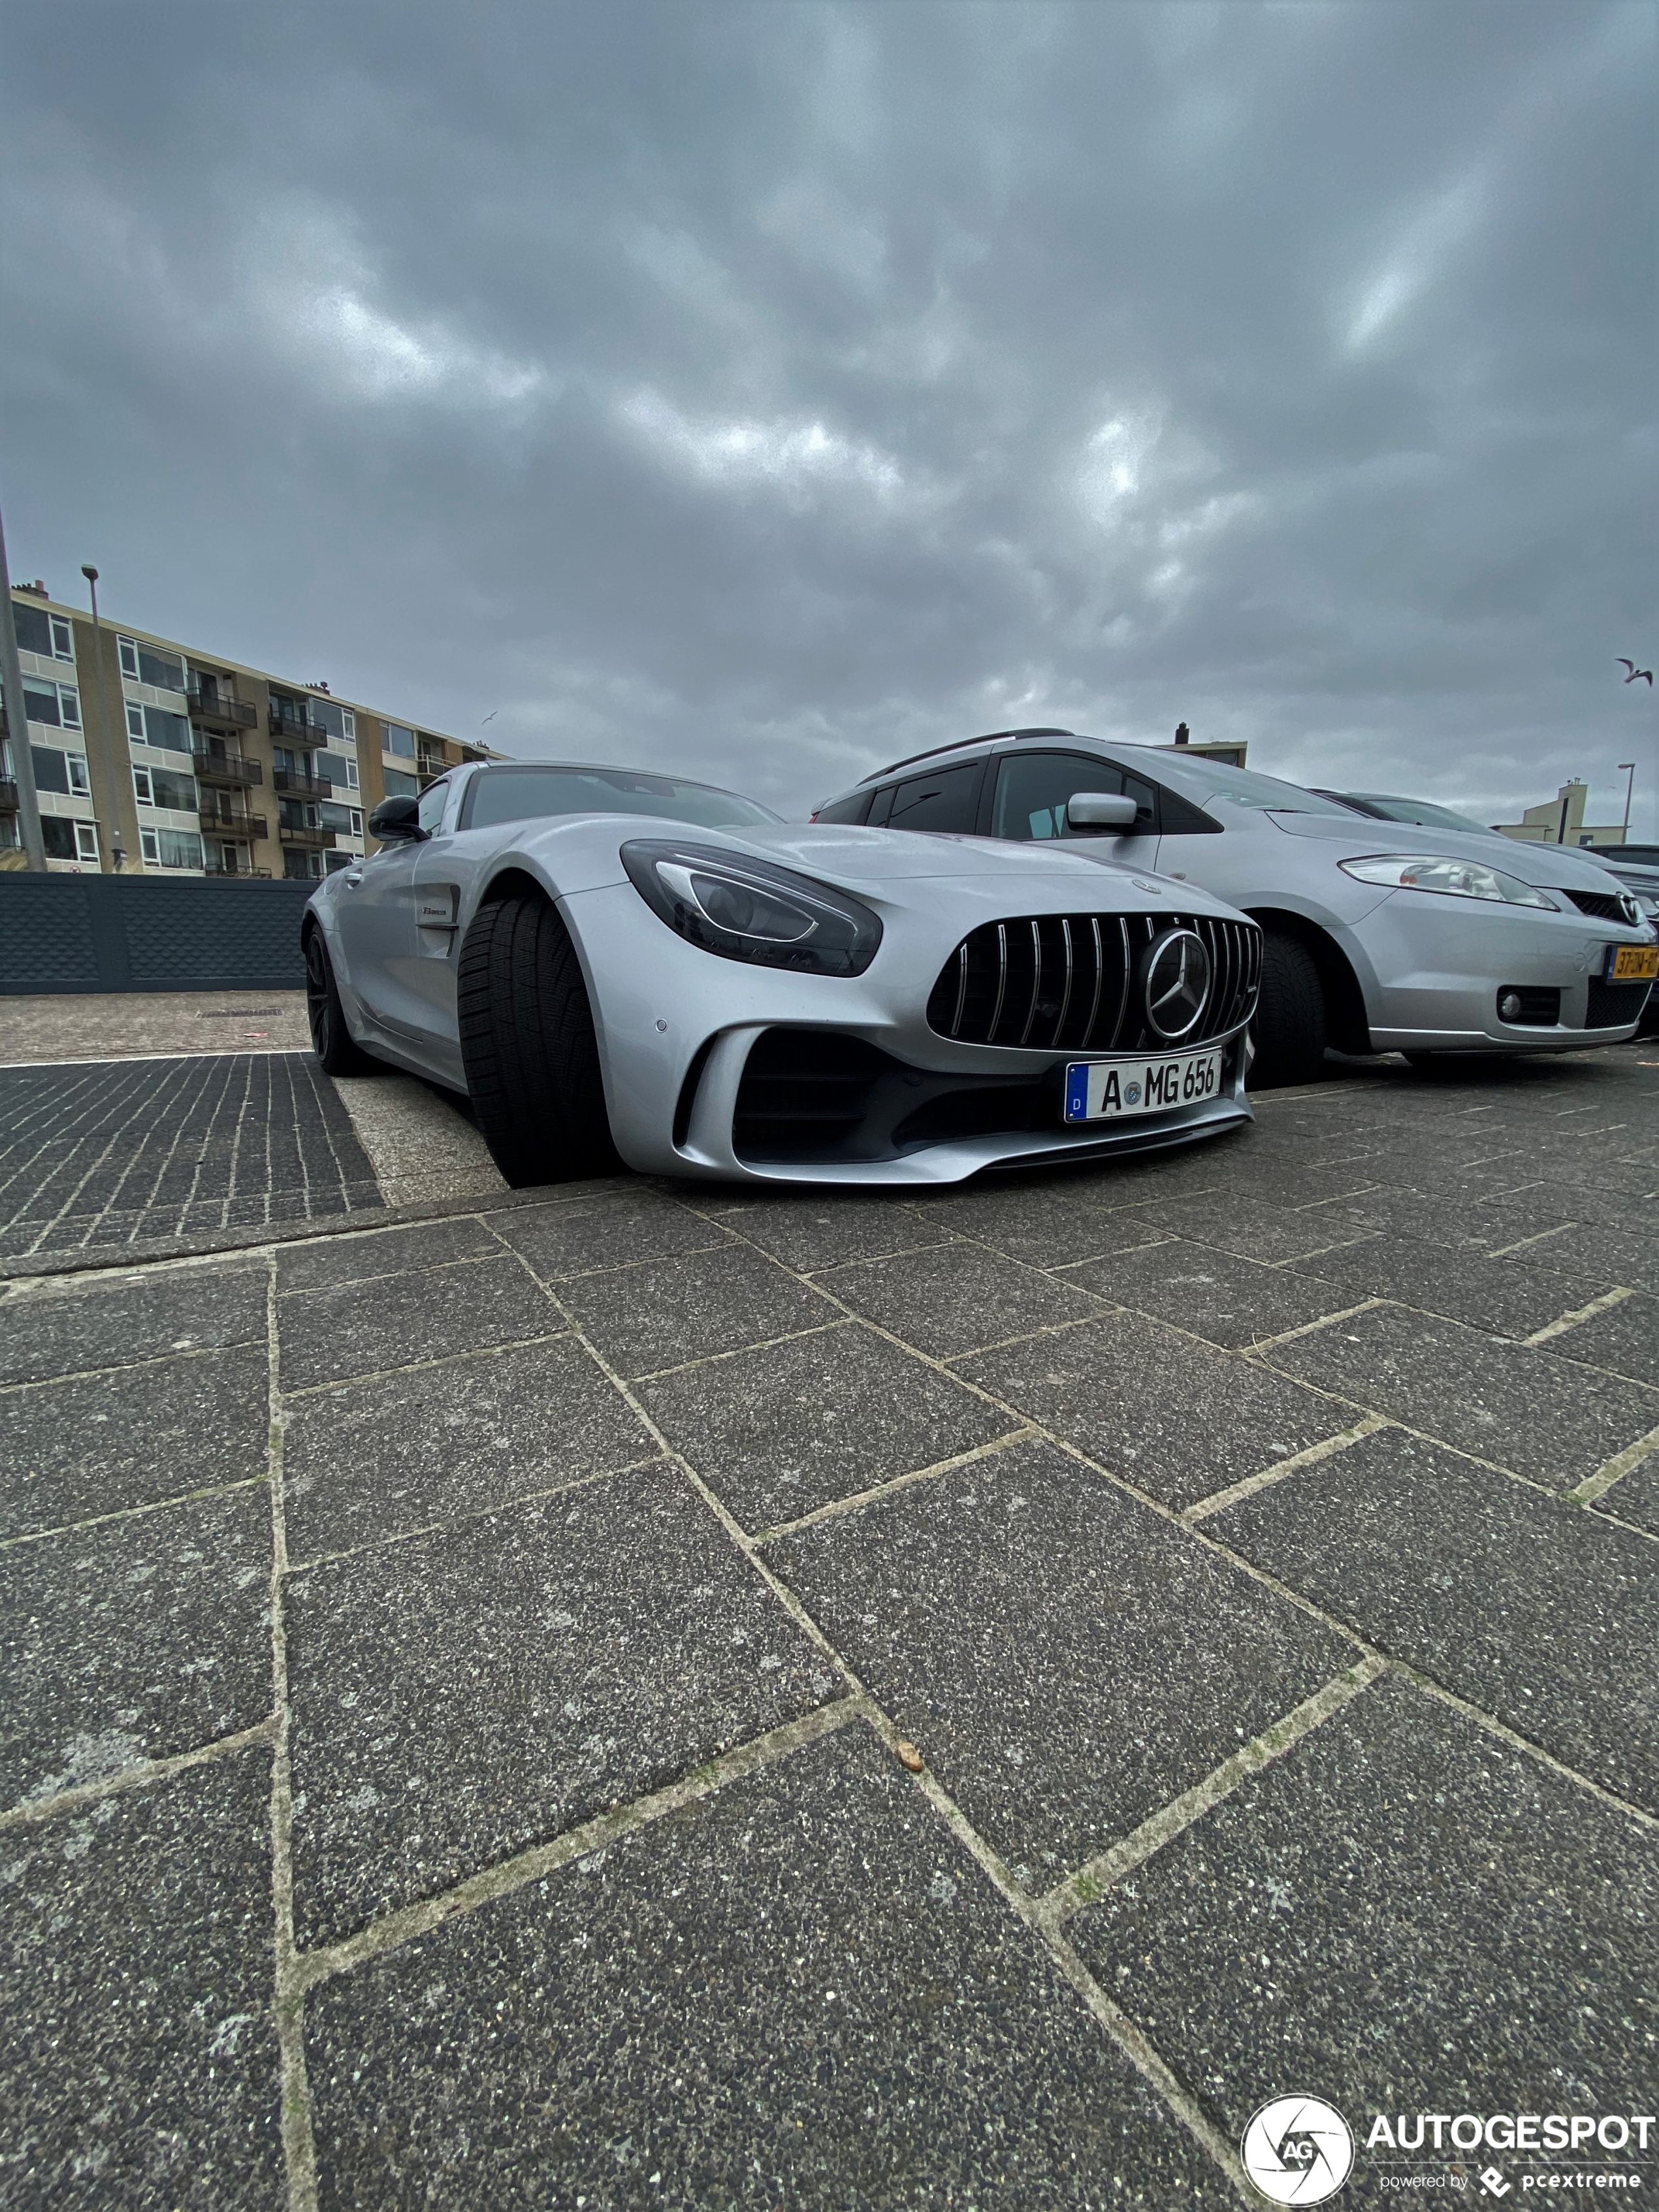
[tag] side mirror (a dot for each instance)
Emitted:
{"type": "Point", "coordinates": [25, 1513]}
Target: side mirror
{"type": "Point", "coordinates": [1094, 809]}
{"type": "Point", "coordinates": [396, 821]}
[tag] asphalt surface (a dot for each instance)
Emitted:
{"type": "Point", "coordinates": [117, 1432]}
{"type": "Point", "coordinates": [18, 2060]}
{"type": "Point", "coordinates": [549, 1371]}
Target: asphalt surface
{"type": "Point", "coordinates": [625, 1697]}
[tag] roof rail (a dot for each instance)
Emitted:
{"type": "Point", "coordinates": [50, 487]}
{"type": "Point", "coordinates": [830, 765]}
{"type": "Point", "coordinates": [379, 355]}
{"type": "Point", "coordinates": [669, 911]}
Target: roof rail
{"type": "Point", "coordinates": [961, 743]}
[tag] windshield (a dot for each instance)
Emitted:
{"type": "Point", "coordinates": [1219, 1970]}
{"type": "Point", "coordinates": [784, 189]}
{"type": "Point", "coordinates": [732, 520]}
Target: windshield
{"type": "Point", "coordinates": [520, 794]}
{"type": "Point", "coordinates": [1422, 811]}
{"type": "Point", "coordinates": [1208, 779]}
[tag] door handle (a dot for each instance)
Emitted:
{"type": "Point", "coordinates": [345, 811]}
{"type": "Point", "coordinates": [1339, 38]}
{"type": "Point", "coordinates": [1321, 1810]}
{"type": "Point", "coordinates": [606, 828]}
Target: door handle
{"type": "Point", "coordinates": [353, 878]}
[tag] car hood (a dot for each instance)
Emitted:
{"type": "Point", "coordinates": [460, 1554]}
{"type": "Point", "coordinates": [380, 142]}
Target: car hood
{"type": "Point", "coordinates": [891, 856]}
{"type": "Point", "coordinates": [1547, 867]}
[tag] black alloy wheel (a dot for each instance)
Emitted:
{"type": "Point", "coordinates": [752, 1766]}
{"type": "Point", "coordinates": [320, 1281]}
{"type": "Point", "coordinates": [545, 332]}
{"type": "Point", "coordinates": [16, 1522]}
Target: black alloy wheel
{"type": "Point", "coordinates": [330, 1040]}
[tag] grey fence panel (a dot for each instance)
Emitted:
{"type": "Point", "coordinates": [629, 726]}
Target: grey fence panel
{"type": "Point", "coordinates": [65, 934]}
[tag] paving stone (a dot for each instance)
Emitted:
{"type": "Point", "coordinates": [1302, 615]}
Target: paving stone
{"type": "Point", "coordinates": [324, 1261]}
{"type": "Point", "coordinates": [610, 1231]}
{"type": "Point", "coordinates": [1212, 1293]}
{"type": "Point", "coordinates": [1426, 1217]}
{"type": "Point", "coordinates": [379, 1459]}
{"type": "Point", "coordinates": [366, 1327]}
{"type": "Point", "coordinates": [1259, 1228]}
{"type": "Point", "coordinates": [1532, 1609]}
{"type": "Point", "coordinates": [133, 1639]}
{"type": "Point", "coordinates": [826, 1228]}
{"type": "Point", "coordinates": [799, 1991]}
{"type": "Point", "coordinates": [1066, 1660]}
{"type": "Point", "coordinates": [1611, 1258]}
{"type": "Point", "coordinates": [1624, 1339]}
{"type": "Point", "coordinates": [1523, 1407]}
{"type": "Point", "coordinates": [1635, 1497]}
{"type": "Point", "coordinates": [1404, 1915]}
{"type": "Point", "coordinates": [672, 1310]}
{"type": "Point", "coordinates": [461, 1695]}
{"type": "Point", "coordinates": [781, 1430]}
{"type": "Point", "coordinates": [136, 2043]}
{"type": "Point", "coordinates": [1178, 1421]}
{"type": "Point", "coordinates": [104, 1443]}
{"type": "Point", "coordinates": [955, 1298]}
{"type": "Point", "coordinates": [1457, 1282]}
{"type": "Point", "coordinates": [1049, 1223]}
{"type": "Point", "coordinates": [67, 1328]}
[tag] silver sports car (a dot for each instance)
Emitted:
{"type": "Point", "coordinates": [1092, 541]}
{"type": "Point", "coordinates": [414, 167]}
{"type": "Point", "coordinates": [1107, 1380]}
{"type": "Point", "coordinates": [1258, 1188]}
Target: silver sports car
{"type": "Point", "coordinates": [617, 963]}
{"type": "Point", "coordinates": [1378, 936]}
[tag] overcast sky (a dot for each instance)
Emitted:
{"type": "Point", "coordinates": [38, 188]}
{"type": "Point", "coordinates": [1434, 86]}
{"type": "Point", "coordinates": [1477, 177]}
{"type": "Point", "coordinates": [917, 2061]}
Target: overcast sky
{"type": "Point", "coordinates": [769, 390]}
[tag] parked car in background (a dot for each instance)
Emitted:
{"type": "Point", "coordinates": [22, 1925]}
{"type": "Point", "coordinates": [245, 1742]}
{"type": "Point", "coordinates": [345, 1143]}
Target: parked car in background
{"type": "Point", "coordinates": [1385, 806]}
{"type": "Point", "coordinates": [1378, 936]}
{"type": "Point", "coordinates": [617, 963]}
{"type": "Point", "coordinates": [1636, 868]}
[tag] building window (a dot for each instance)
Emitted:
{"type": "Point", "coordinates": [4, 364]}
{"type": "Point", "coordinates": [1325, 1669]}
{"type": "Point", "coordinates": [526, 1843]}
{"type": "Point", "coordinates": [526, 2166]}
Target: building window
{"type": "Point", "coordinates": [39, 632]}
{"type": "Point", "coordinates": [51, 768]}
{"type": "Point", "coordinates": [78, 783]}
{"type": "Point", "coordinates": [58, 704]}
{"type": "Point", "coordinates": [325, 715]}
{"type": "Point", "coordinates": [155, 787]}
{"type": "Point", "coordinates": [349, 725]}
{"type": "Point", "coordinates": [399, 785]}
{"type": "Point", "coordinates": [155, 725]}
{"type": "Point", "coordinates": [395, 738]}
{"type": "Point", "coordinates": [144, 665]}
{"type": "Point", "coordinates": [345, 819]}
{"type": "Point", "coordinates": [170, 848]}
{"type": "Point", "coordinates": [300, 867]}
{"type": "Point", "coordinates": [341, 772]}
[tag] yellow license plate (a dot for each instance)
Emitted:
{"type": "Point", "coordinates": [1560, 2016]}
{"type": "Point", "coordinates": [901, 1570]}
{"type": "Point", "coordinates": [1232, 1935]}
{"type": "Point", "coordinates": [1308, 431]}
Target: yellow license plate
{"type": "Point", "coordinates": [1634, 963]}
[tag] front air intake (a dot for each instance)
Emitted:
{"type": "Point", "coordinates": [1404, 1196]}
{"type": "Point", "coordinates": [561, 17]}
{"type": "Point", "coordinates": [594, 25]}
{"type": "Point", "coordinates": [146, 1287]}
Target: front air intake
{"type": "Point", "coordinates": [1071, 982]}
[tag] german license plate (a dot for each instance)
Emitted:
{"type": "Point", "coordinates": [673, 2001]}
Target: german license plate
{"type": "Point", "coordinates": [1112, 1090]}
{"type": "Point", "coordinates": [1632, 963]}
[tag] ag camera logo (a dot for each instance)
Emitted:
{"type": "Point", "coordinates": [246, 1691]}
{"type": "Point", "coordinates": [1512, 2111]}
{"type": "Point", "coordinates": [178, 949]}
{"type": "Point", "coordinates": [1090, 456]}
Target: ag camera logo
{"type": "Point", "coordinates": [1297, 2150]}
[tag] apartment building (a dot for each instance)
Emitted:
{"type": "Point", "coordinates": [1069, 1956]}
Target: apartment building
{"type": "Point", "coordinates": [153, 758]}
{"type": "Point", "coordinates": [1560, 821]}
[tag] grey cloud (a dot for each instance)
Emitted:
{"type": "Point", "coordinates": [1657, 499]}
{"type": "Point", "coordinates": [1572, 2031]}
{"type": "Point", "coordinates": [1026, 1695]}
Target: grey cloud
{"type": "Point", "coordinates": [770, 390]}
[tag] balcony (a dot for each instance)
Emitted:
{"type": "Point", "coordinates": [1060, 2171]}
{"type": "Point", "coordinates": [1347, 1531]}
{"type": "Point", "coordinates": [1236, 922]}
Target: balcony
{"type": "Point", "coordinates": [225, 766]}
{"type": "Point", "coordinates": [8, 796]}
{"type": "Point", "coordinates": [219, 821]}
{"type": "Point", "coordinates": [221, 711]}
{"type": "Point", "coordinates": [215, 863]}
{"type": "Point", "coordinates": [430, 763]}
{"type": "Point", "coordinates": [296, 832]}
{"type": "Point", "coordinates": [293, 785]}
{"type": "Point", "coordinates": [294, 729]}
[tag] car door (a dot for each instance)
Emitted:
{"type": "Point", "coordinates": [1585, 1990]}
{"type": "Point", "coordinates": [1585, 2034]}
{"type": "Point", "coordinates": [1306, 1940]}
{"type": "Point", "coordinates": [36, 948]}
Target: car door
{"type": "Point", "coordinates": [1030, 796]}
{"type": "Point", "coordinates": [376, 925]}
{"type": "Point", "coordinates": [443, 871]}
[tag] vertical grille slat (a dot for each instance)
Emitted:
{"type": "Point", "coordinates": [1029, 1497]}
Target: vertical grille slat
{"type": "Point", "coordinates": [1079, 994]}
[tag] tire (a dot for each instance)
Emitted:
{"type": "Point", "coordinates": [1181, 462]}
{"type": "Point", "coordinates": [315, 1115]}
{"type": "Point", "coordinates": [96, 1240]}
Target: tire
{"type": "Point", "coordinates": [527, 1045]}
{"type": "Point", "coordinates": [1289, 1028]}
{"type": "Point", "coordinates": [330, 1040]}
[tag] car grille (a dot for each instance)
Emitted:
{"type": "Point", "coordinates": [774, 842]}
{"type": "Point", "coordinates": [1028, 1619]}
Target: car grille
{"type": "Point", "coordinates": [1610, 1005]}
{"type": "Point", "coordinates": [1608, 906]}
{"type": "Point", "coordinates": [1064, 982]}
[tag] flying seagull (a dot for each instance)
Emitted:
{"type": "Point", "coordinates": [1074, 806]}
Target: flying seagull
{"type": "Point", "coordinates": [489, 717]}
{"type": "Point", "coordinates": [1646, 674]}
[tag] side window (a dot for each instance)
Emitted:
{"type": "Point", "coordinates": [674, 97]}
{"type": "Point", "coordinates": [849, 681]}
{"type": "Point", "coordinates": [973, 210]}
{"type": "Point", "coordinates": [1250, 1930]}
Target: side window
{"type": "Point", "coordinates": [855, 809]}
{"type": "Point", "coordinates": [1033, 789]}
{"type": "Point", "coordinates": [947, 800]}
{"type": "Point", "coordinates": [430, 811]}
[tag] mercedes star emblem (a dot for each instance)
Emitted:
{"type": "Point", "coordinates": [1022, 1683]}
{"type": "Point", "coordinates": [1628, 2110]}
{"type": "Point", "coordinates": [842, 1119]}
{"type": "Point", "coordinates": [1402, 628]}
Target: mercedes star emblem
{"type": "Point", "coordinates": [1176, 984]}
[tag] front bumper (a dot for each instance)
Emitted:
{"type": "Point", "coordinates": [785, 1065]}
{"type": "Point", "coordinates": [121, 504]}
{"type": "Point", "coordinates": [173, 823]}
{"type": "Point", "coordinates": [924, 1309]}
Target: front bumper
{"type": "Point", "coordinates": [677, 1028]}
{"type": "Point", "coordinates": [1433, 970]}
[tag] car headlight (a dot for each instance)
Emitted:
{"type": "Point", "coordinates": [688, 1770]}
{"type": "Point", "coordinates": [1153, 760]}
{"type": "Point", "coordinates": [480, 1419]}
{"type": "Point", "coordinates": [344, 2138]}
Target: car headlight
{"type": "Point", "coordinates": [1428, 872]}
{"type": "Point", "coordinates": [746, 909]}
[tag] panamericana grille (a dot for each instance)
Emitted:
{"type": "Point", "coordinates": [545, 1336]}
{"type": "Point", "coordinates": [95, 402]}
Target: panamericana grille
{"type": "Point", "coordinates": [1066, 983]}
{"type": "Point", "coordinates": [1608, 906]}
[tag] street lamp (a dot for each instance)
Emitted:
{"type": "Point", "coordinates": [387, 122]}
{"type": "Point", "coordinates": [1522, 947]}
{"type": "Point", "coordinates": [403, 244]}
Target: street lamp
{"type": "Point", "coordinates": [111, 771]}
{"type": "Point", "coordinates": [1630, 786]}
